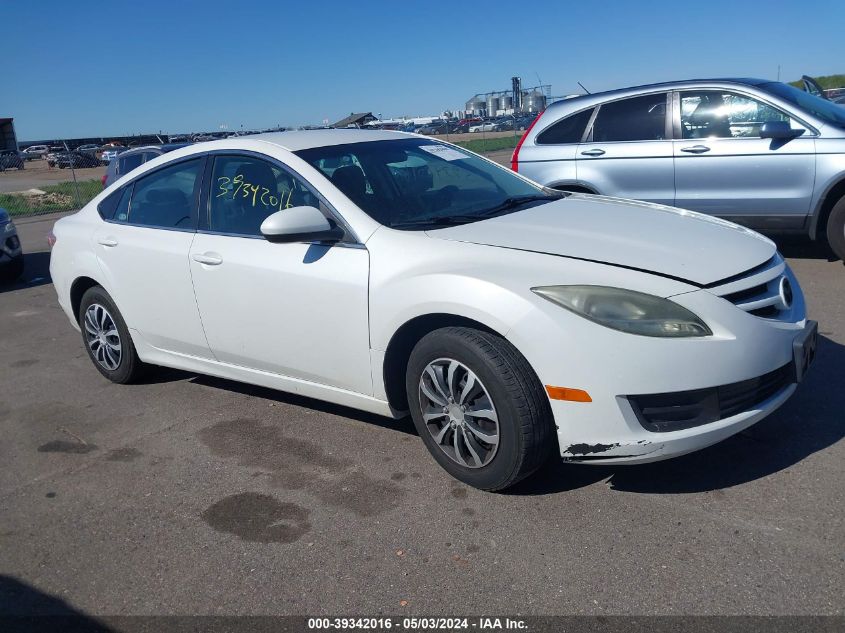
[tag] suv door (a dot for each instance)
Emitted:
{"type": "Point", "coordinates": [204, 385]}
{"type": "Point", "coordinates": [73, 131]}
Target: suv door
{"type": "Point", "coordinates": [294, 309]}
{"type": "Point", "coordinates": [628, 151]}
{"type": "Point", "coordinates": [142, 248]}
{"type": "Point", "coordinates": [724, 168]}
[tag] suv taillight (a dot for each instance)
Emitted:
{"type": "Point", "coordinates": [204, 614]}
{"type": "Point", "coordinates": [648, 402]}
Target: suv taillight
{"type": "Point", "coordinates": [515, 156]}
{"type": "Point", "coordinates": [51, 238]}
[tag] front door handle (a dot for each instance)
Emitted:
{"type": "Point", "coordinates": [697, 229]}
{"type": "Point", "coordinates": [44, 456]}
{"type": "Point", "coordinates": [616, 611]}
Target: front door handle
{"type": "Point", "coordinates": [107, 241]}
{"type": "Point", "coordinates": [210, 259]}
{"type": "Point", "coordinates": [592, 152]}
{"type": "Point", "coordinates": [696, 149]}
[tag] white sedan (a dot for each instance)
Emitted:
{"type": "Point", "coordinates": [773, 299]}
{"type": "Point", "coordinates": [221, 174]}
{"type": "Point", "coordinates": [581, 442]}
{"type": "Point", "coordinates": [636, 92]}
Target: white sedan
{"type": "Point", "coordinates": [392, 273]}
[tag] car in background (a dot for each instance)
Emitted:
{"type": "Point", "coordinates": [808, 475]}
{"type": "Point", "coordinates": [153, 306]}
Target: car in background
{"type": "Point", "coordinates": [435, 127]}
{"type": "Point", "coordinates": [512, 321]}
{"type": "Point", "coordinates": [759, 153]}
{"type": "Point", "coordinates": [484, 126]}
{"type": "Point", "coordinates": [504, 124]}
{"type": "Point", "coordinates": [89, 148]}
{"type": "Point", "coordinates": [34, 152]}
{"type": "Point", "coordinates": [11, 159]}
{"type": "Point", "coordinates": [135, 157]}
{"type": "Point", "coordinates": [53, 151]}
{"type": "Point", "coordinates": [11, 255]}
{"type": "Point", "coordinates": [74, 159]}
{"type": "Point", "coordinates": [108, 152]}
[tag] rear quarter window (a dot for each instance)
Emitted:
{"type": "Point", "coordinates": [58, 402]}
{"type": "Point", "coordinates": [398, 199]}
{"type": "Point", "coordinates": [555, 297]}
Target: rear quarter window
{"type": "Point", "coordinates": [116, 205]}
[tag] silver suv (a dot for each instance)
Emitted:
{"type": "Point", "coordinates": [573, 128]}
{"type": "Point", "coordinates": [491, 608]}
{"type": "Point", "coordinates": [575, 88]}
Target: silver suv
{"type": "Point", "coordinates": [759, 153]}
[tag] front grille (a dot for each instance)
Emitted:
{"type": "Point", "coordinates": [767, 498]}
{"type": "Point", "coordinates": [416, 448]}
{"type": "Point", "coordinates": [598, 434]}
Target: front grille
{"type": "Point", "coordinates": [675, 411]}
{"type": "Point", "coordinates": [758, 292]}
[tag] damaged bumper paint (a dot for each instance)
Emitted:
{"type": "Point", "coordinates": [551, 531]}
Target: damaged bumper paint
{"type": "Point", "coordinates": [641, 446]}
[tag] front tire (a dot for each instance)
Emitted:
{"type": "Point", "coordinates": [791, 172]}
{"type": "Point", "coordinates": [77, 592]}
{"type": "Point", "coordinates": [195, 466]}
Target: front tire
{"type": "Point", "coordinates": [106, 338]}
{"type": "Point", "coordinates": [479, 407]}
{"type": "Point", "coordinates": [836, 229]}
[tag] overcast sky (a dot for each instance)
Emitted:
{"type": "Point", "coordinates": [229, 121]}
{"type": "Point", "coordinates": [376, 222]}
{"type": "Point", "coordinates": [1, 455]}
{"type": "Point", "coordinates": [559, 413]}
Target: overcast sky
{"type": "Point", "coordinates": [72, 69]}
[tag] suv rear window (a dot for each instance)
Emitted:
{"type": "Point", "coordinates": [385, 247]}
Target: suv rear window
{"type": "Point", "coordinates": [568, 130]}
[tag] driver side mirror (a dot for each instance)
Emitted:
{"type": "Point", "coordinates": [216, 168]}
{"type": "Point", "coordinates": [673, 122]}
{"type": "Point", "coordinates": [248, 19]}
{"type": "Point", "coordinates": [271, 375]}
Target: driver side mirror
{"type": "Point", "coordinates": [779, 130]}
{"type": "Point", "coordinates": [300, 224]}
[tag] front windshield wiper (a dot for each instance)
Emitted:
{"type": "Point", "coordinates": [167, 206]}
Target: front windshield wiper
{"type": "Point", "coordinates": [517, 201]}
{"type": "Point", "coordinates": [507, 204]}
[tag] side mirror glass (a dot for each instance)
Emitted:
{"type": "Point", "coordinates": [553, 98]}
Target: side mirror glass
{"type": "Point", "coordinates": [300, 224]}
{"type": "Point", "coordinates": [779, 130]}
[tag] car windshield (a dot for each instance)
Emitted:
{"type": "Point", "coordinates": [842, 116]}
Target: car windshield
{"type": "Point", "coordinates": [419, 183]}
{"type": "Point", "coordinates": [821, 108]}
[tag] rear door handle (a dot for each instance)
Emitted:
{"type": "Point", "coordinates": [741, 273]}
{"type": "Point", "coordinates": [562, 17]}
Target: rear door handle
{"type": "Point", "coordinates": [210, 259]}
{"type": "Point", "coordinates": [696, 149]}
{"type": "Point", "coordinates": [107, 241]}
{"type": "Point", "coordinates": [592, 152]}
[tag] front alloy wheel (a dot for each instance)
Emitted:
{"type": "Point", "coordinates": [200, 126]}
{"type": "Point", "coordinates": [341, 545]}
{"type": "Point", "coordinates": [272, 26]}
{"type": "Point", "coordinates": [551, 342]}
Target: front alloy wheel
{"type": "Point", "coordinates": [478, 407]}
{"type": "Point", "coordinates": [459, 413]}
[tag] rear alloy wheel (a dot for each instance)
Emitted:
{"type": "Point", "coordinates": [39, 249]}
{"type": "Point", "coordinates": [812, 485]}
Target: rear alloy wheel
{"type": "Point", "coordinates": [478, 406]}
{"type": "Point", "coordinates": [107, 339]}
{"type": "Point", "coordinates": [836, 229]}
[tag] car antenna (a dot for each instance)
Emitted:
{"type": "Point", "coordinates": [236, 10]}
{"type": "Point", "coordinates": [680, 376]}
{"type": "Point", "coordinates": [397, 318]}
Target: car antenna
{"type": "Point", "coordinates": [582, 87]}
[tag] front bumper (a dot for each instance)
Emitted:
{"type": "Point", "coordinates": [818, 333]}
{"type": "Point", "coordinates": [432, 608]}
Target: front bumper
{"type": "Point", "coordinates": [749, 361]}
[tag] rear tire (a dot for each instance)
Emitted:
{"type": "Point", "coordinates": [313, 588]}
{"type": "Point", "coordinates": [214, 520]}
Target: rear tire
{"type": "Point", "coordinates": [13, 271]}
{"type": "Point", "coordinates": [836, 229]}
{"type": "Point", "coordinates": [504, 385]}
{"type": "Point", "coordinates": [106, 338]}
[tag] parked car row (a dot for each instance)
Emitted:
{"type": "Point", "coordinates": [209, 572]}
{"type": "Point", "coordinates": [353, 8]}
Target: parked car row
{"type": "Point", "coordinates": [11, 159]}
{"type": "Point", "coordinates": [459, 126]}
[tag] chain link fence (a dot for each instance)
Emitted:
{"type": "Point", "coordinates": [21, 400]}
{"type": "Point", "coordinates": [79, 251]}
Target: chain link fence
{"type": "Point", "coordinates": [51, 178]}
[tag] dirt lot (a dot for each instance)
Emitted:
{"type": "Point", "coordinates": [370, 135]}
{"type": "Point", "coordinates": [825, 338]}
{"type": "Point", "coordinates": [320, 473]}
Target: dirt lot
{"type": "Point", "coordinates": [37, 174]}
{"type": "Point", "coordinates": [195, 495]}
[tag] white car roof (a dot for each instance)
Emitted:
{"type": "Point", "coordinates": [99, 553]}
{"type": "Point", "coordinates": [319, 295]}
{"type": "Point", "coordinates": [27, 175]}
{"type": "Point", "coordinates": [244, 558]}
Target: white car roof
{"type": "Point", "coordinates": [296, 140]}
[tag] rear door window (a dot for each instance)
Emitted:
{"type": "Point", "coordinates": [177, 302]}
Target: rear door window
{"type": "Point", "coordinates": [167, 197]}
{"type": "Point", "coordinates": [568, 130]}
{"type": "Point", "coordinates": [635, 119]}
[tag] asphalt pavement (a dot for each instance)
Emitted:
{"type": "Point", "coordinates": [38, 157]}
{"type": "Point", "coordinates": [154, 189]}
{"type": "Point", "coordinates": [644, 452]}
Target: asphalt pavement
{"type": "Point", "coordinates": [194, 495]}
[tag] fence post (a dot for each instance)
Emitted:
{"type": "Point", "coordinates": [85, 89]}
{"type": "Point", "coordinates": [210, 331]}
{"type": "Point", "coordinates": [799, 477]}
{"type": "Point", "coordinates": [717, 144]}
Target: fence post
{"type": "Point", "coordinates": [73, 171]}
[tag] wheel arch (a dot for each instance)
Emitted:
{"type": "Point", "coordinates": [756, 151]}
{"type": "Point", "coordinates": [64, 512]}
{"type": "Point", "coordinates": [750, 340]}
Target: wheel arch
{"type": "Point", "coordinates": [78, 288]}
{"type": "Point", "coordinates": [402, 343]}
{"type": "Point", "coordinates": [574, 187]}
{"type": "Point", "coordinates": [834, 193]}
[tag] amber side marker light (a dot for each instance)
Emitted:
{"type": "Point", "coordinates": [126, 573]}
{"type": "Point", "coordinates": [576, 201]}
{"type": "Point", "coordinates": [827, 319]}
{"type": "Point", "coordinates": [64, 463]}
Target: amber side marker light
{"type": "Point", "coordinates": [565, 393]}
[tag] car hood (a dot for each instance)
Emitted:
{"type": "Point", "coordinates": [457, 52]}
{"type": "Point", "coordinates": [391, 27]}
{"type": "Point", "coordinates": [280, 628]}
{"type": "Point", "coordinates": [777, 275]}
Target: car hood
{"type": "Point", "coordinates": [675, 243]}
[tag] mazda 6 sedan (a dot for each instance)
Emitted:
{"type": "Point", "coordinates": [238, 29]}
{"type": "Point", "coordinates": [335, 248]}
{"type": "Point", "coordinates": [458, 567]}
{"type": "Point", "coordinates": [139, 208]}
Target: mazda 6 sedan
{"type": "Point", "coordinates": [393, 273]}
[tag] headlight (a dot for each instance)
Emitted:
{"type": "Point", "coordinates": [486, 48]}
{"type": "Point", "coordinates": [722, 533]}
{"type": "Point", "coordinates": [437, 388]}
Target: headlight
{"type": "Point", "coordinates": [627, 310]}
{"type": "Point", "coordinates": [9, 227]}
